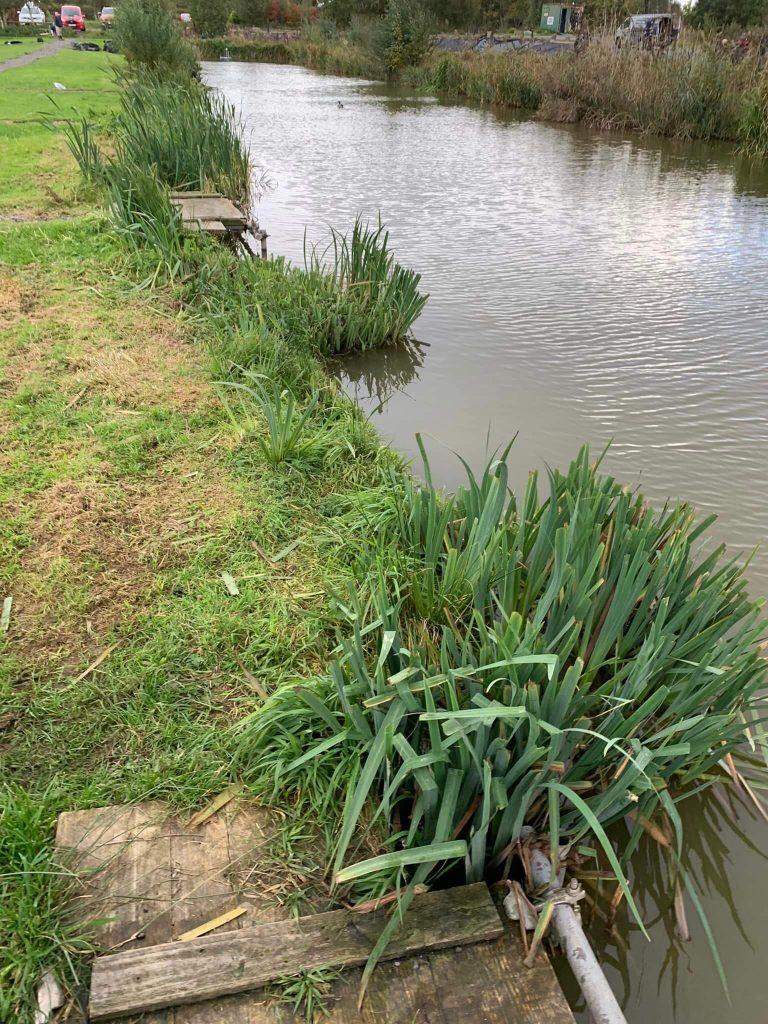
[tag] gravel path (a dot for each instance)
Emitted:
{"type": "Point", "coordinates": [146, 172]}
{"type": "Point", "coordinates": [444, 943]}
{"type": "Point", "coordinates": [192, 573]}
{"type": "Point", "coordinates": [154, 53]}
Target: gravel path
{"type": "Point", "coordinates": [27, 58]}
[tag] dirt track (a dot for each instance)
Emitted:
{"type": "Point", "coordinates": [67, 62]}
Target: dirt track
{"type": "Point", "coordinates": [26, 58]}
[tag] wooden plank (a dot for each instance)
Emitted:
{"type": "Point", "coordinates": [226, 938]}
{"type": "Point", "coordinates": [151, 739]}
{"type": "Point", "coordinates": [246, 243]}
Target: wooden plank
{"type": "Point", "coordinates": [126, 853]}
{"type": "Point", "coordinates": [186, 972]}
{"type": "Point", "coordinates": [491, 981]}
{"type": "Point", "coordinates": [199, 861]}
{"type": "Point", "coordinates": [214, 227]}
{"type": "Point", "coordinates": [483, 983]}
{"type": "Point", "coordinates": [400, 992]}
{"type": "Point", "coordinates": [210, 209]}
{"type": "Point", "coordinates": [221, 852]}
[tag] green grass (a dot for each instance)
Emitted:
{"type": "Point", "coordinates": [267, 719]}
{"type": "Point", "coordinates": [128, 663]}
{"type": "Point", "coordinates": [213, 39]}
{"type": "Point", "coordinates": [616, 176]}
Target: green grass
{"type": "Point", "coordinates": [38, 177]}
{"type": "Point", "coordinates": [29, 93]}
{"type": "Point", "coordinates": [35, 161]}
{"type": "Point", "coordinates": [19, 45]}
{"type": "Point", "coordinates": [121, 513]}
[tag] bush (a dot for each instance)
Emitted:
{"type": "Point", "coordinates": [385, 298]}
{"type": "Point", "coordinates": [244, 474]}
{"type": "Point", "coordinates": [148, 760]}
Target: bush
{"type": "Point", "coordinates": [209, 17]}
{"type": "Point", "coordinates": [404, 37]}
{"type": "Point", "coordinates": [148, 34]}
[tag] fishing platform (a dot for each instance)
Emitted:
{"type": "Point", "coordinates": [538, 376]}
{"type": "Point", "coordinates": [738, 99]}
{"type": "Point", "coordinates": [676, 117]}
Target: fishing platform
{"type": "Point", "coordinates": [194, 932]}
{"type": "Point", "coordinates": [215, 215]}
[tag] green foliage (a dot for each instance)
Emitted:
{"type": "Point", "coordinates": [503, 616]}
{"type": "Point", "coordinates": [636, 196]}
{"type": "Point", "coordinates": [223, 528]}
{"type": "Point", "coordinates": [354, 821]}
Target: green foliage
{"type": "Point", "coordinates": [308, 993]}
{"type": "Point", "coordinates": [209, 16]}
{"type": "Point", "coordinates": [688, 94]}
{"type": "Point", "coordinates": [147, 33]}
{"type": "Point", "coordinates": [312, 51]}
{"type": "Point", "coordinates": [753, 126]}
{"type": "Point", "coordinates": [405, 35]}
{"type": "Point", "coordinates": [504, 82]}
{"type": "Point", "coordinates": [351, 296]}
{"type": "Point", "coordinates": [556, 662]}
{"type": "Point", "coordinates": [170, 134]}
{"type": "Point", "coordinates": [287, 425]}
{"type": "Point", "coordinates": [722, 13]}
{"type": "Point", "coordinates": [365, 299]}
{"type": "Point", "coordinates": [33, 888]}
{"type": "Point", "coordinates": [189, 134]}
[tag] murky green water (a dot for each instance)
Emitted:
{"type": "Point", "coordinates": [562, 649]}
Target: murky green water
{"type": "Point", "coordinates": [584, 287]}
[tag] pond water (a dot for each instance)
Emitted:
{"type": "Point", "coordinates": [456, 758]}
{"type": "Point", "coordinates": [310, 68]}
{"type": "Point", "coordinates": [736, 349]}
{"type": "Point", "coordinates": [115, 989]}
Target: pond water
{"type": "Point", "coordinates": [583, 287]}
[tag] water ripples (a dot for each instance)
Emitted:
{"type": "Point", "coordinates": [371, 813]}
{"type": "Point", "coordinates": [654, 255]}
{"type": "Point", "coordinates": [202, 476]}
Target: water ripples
{"type": "Point", "coordinates": [583, 287]}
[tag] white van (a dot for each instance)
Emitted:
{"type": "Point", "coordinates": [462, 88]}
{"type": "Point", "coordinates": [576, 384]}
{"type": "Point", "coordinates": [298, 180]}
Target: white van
{"type": "Point", "coordinates": [31, 14]}
{"type": "Point", "coordinates": [648, 30]}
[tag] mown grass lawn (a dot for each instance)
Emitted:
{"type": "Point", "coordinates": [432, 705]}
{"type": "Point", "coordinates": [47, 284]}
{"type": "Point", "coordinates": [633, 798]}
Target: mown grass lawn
{"type": "Point", "coordinates": [12, 46]}
{"type": "Point", "coordinates": [38, 177]}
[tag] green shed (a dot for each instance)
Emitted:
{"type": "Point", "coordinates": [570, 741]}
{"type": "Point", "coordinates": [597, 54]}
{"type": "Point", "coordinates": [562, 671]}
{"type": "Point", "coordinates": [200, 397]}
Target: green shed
{"type": "Point", "coordinates": [556, 17]}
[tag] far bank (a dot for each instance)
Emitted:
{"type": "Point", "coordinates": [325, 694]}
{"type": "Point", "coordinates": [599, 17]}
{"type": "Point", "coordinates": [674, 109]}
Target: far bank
{"type": "Point", "coordinates": [693, 93]}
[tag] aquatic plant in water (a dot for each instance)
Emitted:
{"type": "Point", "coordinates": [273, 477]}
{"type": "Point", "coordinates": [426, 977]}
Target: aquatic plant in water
{"type": "Point", "coordinates": [560, 662]}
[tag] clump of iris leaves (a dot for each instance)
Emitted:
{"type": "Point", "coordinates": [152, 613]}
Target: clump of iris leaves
{"type": "Point", "coordinates": [561, 662]}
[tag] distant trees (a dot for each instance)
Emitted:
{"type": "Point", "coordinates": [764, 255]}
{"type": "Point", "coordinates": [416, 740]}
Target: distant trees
{"type": "Point", "coordinates": [467, 15]}
{"type": "Point", "coordinates": [209, 16]}
{"type": "Point", "coordinates": [723, 13]}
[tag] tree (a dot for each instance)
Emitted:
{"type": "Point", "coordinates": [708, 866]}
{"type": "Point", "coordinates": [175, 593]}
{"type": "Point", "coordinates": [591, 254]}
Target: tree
{"type": "Point", "coordinates": [209, 16]}
{"type": "Point", "coordinates": [721, 13]}
{"type": "Point", "coordinates": [147, 32]}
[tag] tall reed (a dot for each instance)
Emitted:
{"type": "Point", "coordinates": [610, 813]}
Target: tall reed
{"type": "Point", "coordinates": [366, 298]}
{"type": "Point", "coordinates": [148, 34]}
{"type": "Point", "coordinates": [688, 93]}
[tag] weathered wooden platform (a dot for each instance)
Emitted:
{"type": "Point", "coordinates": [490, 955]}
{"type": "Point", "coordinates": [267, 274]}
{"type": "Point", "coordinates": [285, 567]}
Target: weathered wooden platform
{"type": "Point", "coordinates": [214, 214]}
{"type": "Point", "coordinates": [155, 878]}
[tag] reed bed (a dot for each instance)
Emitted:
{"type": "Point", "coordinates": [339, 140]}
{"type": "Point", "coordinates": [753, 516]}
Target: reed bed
{"type": "Point", "coordinates": [338, 58]}
{"type": "Point", "coordinates": [688, 93]}
{"type": "Point", "coordinates": [351, 295]}
{"type": "Point", "coordinates": [189, 136]}
{"type": "Point", "coordinates": [366, 298]}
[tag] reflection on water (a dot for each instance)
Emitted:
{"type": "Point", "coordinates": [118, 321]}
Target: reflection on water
{"type": "Point", "coordinates": [714, 825]}
{"type": "Point", "coordinates": [584, 287]}
{"type": "Point", "coordinates": [375, 377]}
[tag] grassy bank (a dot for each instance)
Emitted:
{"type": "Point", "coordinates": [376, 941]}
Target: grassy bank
{"type": "Point", "coordinates": [696, 94]}
{"type": "Point", "coordinates": [218, 571]}
{"type": "Point", "coordinates": [129, 487]}
{"type": "Point", "coordinates": [38, 177]}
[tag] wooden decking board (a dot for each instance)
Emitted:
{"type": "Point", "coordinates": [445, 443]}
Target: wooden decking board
{"type": "Point", "coordinates": [218, 965]}
{"type": "Point", "coordinates": [208, 208]}
{"type": "Point", "coordinates": [126, 854]}
{"type": "Point", "coordinates": [226, 862]}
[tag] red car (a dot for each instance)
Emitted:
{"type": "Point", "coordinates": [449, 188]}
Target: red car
{"type": "Point", "coordinates": [72, 17]}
